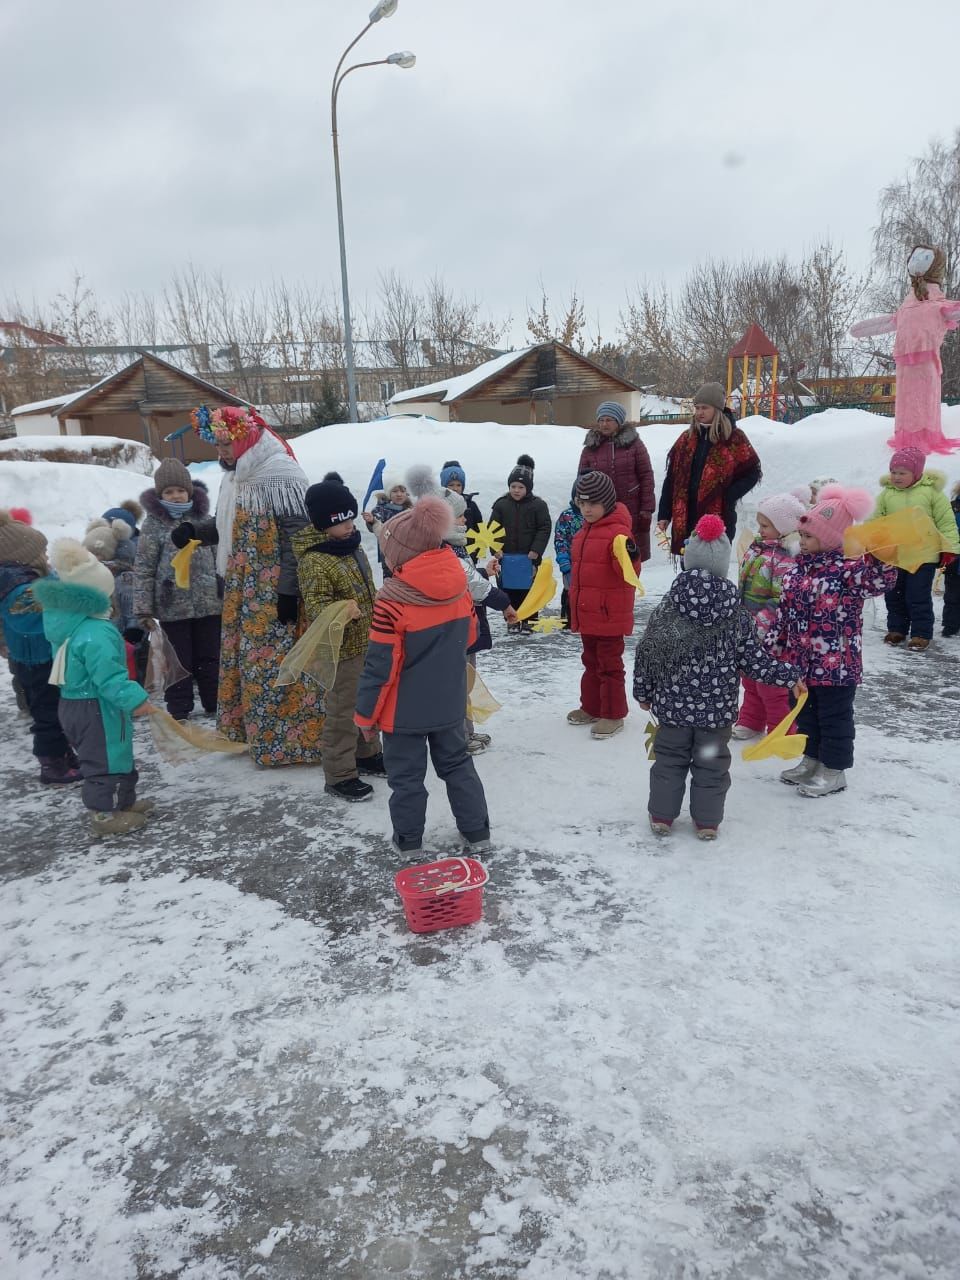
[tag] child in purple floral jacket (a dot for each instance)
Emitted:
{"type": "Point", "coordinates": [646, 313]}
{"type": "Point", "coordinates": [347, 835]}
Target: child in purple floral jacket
{"type": "Point", "coordinates": [818, 628]}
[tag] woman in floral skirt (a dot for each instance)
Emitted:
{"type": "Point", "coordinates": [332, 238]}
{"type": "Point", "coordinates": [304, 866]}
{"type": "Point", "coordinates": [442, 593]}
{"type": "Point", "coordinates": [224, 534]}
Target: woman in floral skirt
{"type": "Point", "coordinates": [260, 507]}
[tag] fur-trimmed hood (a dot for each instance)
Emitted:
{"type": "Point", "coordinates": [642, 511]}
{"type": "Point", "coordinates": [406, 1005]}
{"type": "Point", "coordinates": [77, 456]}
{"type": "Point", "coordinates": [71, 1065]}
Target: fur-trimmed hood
{"type": "Point", "coordinates": [930, 480]}
{"type": "Point", "coordinates": [150, 500]}
{"type": "Point", "coordinates": [624, 437]}
{"type": "Point", "coordinates": [66, 604]}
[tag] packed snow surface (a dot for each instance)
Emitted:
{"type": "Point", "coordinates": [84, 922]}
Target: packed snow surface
{"type": "Point", "coordinates": [224, 1055]}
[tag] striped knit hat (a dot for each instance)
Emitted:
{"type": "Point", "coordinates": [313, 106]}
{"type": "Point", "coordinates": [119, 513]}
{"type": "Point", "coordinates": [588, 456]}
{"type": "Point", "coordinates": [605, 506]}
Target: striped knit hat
{"type": "Point", "coordinates": [610, 409]}
{"type": "Point", "coordinates": [596, 486]}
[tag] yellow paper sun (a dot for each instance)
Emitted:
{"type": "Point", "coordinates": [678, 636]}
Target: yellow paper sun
{"type": "Point", "coordinates": [546, 626]}
{"type": "Point", "coordinates": [486, 539]}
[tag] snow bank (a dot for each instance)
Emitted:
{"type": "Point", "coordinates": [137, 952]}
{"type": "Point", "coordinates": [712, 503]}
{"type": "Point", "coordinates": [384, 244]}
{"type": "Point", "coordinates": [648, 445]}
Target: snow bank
{"type": "Point", "coordinates": [107, 451]}
{"type": "Point", "coordinates": [63, 498]}
{"type": "Point", "coordinates": [848, 444]}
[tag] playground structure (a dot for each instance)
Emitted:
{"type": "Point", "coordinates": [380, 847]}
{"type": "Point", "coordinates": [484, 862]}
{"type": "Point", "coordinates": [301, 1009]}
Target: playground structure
{"type": "Point", "coordinates": [754, 346]}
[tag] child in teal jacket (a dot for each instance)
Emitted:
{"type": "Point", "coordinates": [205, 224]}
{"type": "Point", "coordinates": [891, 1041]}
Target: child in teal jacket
{"type": "Point", "coordinates": [97, 698]}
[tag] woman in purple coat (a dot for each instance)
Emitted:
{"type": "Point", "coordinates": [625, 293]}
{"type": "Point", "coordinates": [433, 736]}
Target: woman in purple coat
{"type": "Point", "coordinates": [614, 448]}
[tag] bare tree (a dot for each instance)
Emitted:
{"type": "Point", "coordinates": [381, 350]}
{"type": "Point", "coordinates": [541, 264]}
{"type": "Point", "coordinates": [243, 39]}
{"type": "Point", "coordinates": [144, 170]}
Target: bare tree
{"type": "Point", "coordinates": [569, 325]}
{"type": "Point", "coordinates": [396, 326]}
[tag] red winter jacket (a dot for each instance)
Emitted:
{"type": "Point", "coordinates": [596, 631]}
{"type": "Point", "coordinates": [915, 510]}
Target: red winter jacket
{"type": "Point", "coordinates": [601, 603]}
{"type": "Point", "coordinates": [626, 461]}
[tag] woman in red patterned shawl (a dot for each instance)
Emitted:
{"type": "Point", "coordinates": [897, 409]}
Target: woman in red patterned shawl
{"type": "Point", "coordinates": [709, 469]}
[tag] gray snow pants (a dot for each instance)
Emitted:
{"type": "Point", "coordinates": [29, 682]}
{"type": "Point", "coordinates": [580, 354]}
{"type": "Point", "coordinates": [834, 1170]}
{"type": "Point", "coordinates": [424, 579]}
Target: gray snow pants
{"type": "Point", "coordinates": [705, 754]}
{"type": "Point", "coordinates": [405, 757]}
{"type": "Point", "coordinates": [83, 726]}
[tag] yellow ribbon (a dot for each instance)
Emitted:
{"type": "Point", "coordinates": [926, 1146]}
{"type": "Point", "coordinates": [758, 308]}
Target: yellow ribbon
{"type": "Point", "coordinates": [542, 590]}
{"type": "Point", "coordinates": [626, 564]}
{"type": "Point", "coordinates": [181, 563]}
{"type": "Point", "coordinates": [779, 741]}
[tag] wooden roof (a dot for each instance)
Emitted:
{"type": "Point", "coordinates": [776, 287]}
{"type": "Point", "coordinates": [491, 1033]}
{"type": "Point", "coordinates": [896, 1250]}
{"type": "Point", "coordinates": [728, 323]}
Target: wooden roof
{"type": "Point", "coordinates": [547, 371]}
{"type": "Point", "coordinates": [753, 343]}
{"type": "Point", "coordinates": [148, 385]}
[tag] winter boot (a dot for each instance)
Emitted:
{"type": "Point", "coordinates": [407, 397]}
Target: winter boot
{"type": "Point", "coordinates": [140, 806]}
{"type": "Point", "coordinates": [801, 772]}
{"type": "Point", "coordinates": [660, 826]}
{"type": "Point", "coordinates": [894, 637]}
{"type": "Point", "coordinates": [119, 823]}
{"type": "Point", "coordinates": [743, 731]}
{"type": "Point", "coordinates": [918, 644]}
{"type": "Point", "coordinates": [606, 729]}
{"type": "Point", "coordinates": [823, 783]}
{"type": "Point", "coordinates": [58, 771]}
{"type": "Point", "coordinates": [412, 850]}
{"type": "Point", "coordinates": [706, 833]}
{"type": "Point", "coordinates": [579, 716]}
{"type": "Point", "coordinates": [351, 789]}
{"type": "Point", "coordinates": [373, 766]}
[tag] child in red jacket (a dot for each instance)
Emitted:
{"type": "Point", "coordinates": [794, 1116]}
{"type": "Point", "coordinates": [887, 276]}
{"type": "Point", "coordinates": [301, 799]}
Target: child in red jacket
{"type": "Point", "coordinates": [601, 604]}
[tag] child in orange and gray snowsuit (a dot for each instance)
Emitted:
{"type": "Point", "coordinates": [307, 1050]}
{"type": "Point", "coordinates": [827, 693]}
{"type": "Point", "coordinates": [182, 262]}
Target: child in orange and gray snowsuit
{"type": "Point", "coordinates": [414, 682]}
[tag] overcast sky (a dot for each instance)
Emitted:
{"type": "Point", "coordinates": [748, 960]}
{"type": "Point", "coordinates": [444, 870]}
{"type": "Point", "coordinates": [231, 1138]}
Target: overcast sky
{"type": "Point", "coordinates": [588, 143]}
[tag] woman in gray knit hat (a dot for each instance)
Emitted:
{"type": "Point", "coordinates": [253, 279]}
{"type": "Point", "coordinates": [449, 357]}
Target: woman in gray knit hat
{"type": "Point", "coordinates": [709, 469]}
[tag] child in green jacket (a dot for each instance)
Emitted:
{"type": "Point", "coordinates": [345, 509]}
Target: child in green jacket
{"type": "Point", "coordinates": [97, 698]}
{"type": "Point", "coordinates": [331, 567]}
{"type": "Point", "coordinates": [910, 603]}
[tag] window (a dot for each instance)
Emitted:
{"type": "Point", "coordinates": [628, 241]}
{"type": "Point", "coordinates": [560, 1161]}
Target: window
{"type": "Point", "coordinates": [388, 389]}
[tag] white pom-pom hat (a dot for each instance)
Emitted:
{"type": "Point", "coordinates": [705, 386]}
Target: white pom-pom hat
{"type": "Point", "coordinates": [784, 511]}
{"type": "Point", "coordinates": [76, 565]}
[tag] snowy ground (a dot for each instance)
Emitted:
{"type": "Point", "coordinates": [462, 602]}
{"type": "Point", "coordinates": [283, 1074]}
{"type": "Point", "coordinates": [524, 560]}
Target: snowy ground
{"type": "Point", "coordinates": [225, 1057]}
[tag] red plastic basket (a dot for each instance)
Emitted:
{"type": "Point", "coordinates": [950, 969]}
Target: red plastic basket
{"type": "Point", "coordinates": [442, 895]}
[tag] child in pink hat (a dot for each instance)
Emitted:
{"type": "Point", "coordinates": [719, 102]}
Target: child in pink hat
{"type": "Point", "coordinates": [761, 579]}
{"type": "Point", "coordinates": [910, 602]}
{"type": "Point", "coordinates": [819, 627]}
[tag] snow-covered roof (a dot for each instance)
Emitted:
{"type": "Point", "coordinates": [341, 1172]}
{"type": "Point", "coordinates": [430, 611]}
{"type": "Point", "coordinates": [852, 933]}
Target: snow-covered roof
{"type": "Point", "coordinates": [451, 388]}
{"type": "Point", "coordinates": [45, 406]}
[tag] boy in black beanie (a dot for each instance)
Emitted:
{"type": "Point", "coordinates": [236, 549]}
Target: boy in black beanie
{"type": "Point", "coordinates": [332, 566]}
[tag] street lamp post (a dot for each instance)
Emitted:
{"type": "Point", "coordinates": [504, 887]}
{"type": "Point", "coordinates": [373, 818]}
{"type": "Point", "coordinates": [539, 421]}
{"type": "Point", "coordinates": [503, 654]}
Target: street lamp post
{"type": "Point", "coordinates": [405, 59]}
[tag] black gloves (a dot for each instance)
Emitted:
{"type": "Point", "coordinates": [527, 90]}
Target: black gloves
{"type": "Point", "coordinates": [182, 534]}
{"type": "Point", "coordinates": [288, 609]}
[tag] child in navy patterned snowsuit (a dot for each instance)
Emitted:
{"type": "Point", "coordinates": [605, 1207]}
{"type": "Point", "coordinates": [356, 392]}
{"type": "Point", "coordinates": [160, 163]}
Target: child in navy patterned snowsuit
{"type": "Point", "coordinates": [699, 641]}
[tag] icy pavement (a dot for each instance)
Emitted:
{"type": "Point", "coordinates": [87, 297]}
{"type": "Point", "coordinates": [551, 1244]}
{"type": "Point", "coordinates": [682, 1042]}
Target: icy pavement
{"type": "Point", "coordinates": [224, 1056]}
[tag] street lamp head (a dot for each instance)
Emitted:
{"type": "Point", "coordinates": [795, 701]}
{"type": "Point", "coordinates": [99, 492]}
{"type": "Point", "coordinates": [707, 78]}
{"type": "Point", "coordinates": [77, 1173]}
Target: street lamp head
{"type": "Point", "coordinates": [385, 9]}
{"type": "Point", "coordinates": [405, 59]}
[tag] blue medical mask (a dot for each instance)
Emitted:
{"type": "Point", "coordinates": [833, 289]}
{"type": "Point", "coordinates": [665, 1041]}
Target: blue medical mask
{"type": "Point", "coordinates": [176, 509]}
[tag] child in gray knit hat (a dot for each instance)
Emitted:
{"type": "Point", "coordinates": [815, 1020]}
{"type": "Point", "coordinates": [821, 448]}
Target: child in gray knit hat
{"type": "Point", "coordinates": [699, 641]}
{"type": "Point", "coordinates": [189, 616]}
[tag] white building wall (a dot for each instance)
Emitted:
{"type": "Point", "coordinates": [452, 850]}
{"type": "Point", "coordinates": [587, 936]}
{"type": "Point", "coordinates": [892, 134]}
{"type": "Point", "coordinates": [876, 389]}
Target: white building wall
{"type": "Point", "coordinates": [37, 424]}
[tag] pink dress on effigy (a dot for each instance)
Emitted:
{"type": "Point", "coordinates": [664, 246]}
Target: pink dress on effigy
{"type": "Point", "coordinates": [920, 328]}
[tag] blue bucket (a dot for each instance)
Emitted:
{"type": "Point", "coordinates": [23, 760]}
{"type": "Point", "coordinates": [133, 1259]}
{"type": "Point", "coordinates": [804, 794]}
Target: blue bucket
{"type": "Point", "coordinates": [516, 573]}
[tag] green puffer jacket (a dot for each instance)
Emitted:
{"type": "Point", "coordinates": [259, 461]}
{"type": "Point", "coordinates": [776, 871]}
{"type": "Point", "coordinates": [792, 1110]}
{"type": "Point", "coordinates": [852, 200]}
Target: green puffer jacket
{"type": "Point", "coordinates": [96, 661]}
{"type": "Point", "coordinates": [324, 579]}
{"type": "Point", "coordinates": [928, 495]}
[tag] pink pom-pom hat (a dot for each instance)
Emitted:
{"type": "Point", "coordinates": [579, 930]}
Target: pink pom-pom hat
{"type": "Point", "coordinates": [836, 510]}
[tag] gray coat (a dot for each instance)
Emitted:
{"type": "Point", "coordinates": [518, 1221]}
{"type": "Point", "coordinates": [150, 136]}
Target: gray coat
{"type": "Point", "coordinates": [156, 594]}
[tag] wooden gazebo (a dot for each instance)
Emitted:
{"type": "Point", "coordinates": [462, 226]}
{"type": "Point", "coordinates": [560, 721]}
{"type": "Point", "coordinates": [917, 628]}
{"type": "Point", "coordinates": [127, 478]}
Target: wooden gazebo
{"type": "Point", "coordinates": [755, 346]}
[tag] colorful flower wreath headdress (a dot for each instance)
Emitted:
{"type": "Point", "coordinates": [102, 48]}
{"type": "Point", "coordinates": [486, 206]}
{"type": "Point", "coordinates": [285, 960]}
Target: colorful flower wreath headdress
{"type": "Point", "coordinates": [223, 426]}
